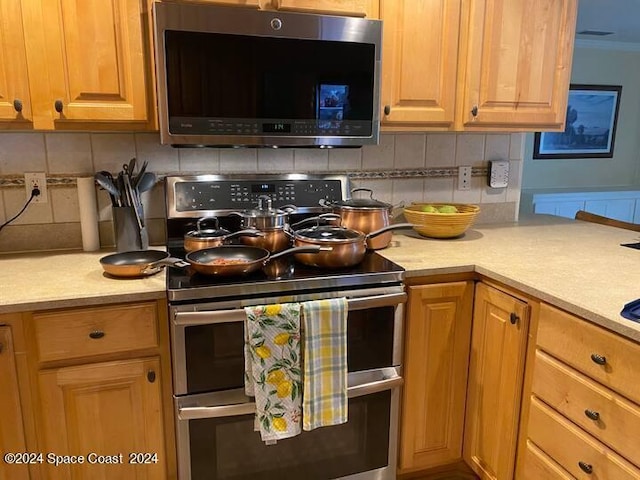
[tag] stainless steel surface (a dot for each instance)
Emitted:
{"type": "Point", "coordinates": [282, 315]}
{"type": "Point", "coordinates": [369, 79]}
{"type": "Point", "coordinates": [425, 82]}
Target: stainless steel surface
{"type": "Point", "coordinates": [224, 207]}
{"type": "Point", "coordinates": [235, 402]}
{"type": "Point", "coordinates": [183, 316]}
{"type": "Point", "coordinates": [207, 18]}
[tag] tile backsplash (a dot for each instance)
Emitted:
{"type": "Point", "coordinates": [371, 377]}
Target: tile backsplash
{"type": "Point", "coordinates": [403, 168]}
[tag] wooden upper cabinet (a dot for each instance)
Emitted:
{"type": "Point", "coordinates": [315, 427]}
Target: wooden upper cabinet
{"type": "Point", "coordinates": [352, 8]}
{"type": "Point", "coordinates": [89, 61]}
{"type": "Point", "coordinates": [14, 80]}
{"type": "Point", "coordinates": [419, 63]}
{"type": "Point", "coordinates": [517, 56]}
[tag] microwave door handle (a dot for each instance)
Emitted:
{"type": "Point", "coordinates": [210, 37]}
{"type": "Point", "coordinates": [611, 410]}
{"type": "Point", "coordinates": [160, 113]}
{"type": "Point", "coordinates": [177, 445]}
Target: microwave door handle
{"type": "Point", "coordinates": [238, 315]}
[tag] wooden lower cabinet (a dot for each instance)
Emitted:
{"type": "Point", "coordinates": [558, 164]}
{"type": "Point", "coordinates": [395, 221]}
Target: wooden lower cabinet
{"type": "Point", "coordinates": [105, 412]}
{"type": "Point", "coordinates": [496, 374]}
{"type": "Point", "coordinates": [11, 428]}
{"type": "Point", "coordinates": [438, 333]}
{"type": "Point", "coordinates": [581, 410]}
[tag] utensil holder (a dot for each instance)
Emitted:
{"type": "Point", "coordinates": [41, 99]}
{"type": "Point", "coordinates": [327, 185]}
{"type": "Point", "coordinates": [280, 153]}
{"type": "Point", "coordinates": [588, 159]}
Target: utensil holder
{"type": "Point", "coordinates": [126, 230]}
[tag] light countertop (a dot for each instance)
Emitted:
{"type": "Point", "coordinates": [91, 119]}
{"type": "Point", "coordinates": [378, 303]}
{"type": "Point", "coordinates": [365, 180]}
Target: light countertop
{"type": "Point", "coordinates": [37, 281]}
{"type": "Point", "coordinates": [576, 266]}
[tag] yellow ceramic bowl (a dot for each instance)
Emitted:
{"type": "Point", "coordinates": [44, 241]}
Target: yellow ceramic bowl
{"type": "Point", "coordinates": [441, 225]}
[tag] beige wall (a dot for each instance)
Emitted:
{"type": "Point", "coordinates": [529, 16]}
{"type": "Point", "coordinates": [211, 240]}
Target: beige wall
{"type": "Point", "coordinates": [598, 66]}
{"type": "Point", "coordinates": [416, 158]}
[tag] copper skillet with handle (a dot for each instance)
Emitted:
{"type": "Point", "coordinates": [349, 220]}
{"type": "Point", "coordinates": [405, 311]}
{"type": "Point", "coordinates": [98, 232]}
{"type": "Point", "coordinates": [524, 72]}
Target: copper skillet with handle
{"type": "Point", "coordinates": [237, 260]}
{"type": "Point", "coordinates": [138, 263]}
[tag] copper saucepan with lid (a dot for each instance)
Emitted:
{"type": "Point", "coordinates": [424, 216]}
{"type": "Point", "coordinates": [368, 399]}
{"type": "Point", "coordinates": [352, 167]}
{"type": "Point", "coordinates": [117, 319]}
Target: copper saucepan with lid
{"type": "Point", "coordinates": [348, 246]}
{"type": "Point", "coordinates": [272, 222]}
{"type": "Point", "coordinates": [365, 215]}
{"type": "Point", "coordinates": [201, 237]}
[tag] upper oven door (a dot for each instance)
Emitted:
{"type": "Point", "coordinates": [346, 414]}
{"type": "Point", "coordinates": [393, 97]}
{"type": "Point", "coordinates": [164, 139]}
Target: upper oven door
{"type": "Point", "coordinates": [208, 345]}
{"type": "Point", "coordinates": [242, 77]}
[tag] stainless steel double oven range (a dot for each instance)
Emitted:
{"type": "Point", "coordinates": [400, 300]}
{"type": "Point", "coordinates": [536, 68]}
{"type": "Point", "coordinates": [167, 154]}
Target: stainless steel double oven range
{"type": "Point", "coordinates": [214, 418]}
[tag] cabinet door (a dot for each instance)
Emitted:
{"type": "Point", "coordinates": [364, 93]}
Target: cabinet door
{"type": "Point", "coordinates": [96, 59]}
{"type": "Point", "coordinates": [110, 409]}
{"type": "Point", "coordinates": [353, 8]}
{"type": "Point", "coordinates": [419, 52]}
{"type": "Point", "coordinates": [14, 81]}
{"type": "Point", "coordinates": [517, 56]}
{"type": "Point", "coordinates": [436, 361]}
{"type": "Point", "coordinates": [11, 429]}
{"type": "Point", "coordinates": [496, 371]}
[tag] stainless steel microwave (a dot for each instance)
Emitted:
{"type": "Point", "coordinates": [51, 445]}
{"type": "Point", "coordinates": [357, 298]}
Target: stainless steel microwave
{"type": "Point", "coordinates": [230, 76]}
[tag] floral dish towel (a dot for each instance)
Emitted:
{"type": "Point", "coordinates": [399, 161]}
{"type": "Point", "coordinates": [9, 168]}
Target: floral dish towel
{"type": "Point", "coordinates": [272, 368]}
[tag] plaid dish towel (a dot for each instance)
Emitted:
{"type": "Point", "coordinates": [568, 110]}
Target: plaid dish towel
{"type": "Point", "coordinates": [272, 368]}
{"type": "Point", "coordinates": [325, 363]}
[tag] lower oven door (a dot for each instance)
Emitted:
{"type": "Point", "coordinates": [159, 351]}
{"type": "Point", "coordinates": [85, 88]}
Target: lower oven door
{"type": "Point", "coordinates": [217, 441]}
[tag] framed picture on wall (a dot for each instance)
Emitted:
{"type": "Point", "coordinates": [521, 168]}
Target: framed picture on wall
{"type": "Point", "coordinates": [590, 128]}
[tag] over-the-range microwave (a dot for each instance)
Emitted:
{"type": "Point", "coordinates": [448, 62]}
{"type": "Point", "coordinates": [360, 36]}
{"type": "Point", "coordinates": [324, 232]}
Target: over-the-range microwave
{"type": "Point", "coordinates": [234, 76]}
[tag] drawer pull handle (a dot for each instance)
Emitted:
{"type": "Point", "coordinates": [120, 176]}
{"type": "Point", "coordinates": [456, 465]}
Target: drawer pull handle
{"type": "Point", "coordinates": [593, 415]}
{"type": "Point", "coordinates": [585, 467]}
{"type": "Point", "coordinates": [599, 359]}
{"type": "Point", "coordinates": [96, 334]}
{"type": "Point", "coordinates": [151, 376]}
{"type": "Point", "coordinates": [513, 318]}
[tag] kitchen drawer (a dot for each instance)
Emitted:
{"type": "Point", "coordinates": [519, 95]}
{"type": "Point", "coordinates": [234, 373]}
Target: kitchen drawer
{"type": "Point", "coordinates": [571, 447]}
{"type": "Point", "coordinates": [95, 331]}
{"type": "Point", "coordinates": [582, 344]}
{"type": "Point", "coordinates": [538, 466]}
{"type": "Point", "coordinates": [581, 400]}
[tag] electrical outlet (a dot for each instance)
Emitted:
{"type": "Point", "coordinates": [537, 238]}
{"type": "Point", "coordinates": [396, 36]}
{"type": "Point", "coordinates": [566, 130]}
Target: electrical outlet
{"type": "Point", "coordinates": [36, 180]}
{"type": "Point", "coordinates": [498, 174]}
{"type": "Point", "coordinates": [464, 177]}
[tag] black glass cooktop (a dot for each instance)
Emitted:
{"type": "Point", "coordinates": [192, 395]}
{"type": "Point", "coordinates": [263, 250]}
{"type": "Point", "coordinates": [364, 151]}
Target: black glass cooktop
{"type": "Point", "coordinates": [186, 284]}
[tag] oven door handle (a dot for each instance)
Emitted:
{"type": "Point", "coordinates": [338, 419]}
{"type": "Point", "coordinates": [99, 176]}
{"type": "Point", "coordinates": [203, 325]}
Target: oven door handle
{"type": "Point", "coordinates": [238, 315]}
{"type": "Point", "coordinates": [390, 379]}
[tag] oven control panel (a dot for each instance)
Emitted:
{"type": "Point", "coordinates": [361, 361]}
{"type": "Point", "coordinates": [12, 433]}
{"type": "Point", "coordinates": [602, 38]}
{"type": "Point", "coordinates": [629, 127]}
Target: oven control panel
{"type": "Point", "coordinates": [197, 195]}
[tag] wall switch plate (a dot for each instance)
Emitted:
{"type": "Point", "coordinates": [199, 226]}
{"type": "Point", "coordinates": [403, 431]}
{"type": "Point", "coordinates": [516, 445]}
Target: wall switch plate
{"type": "Point", "coordinates": [36, 180]}
{"type": "Point", "coordinates": [464, 177]}
{"type": "Point", "coordinates": [498, 173]}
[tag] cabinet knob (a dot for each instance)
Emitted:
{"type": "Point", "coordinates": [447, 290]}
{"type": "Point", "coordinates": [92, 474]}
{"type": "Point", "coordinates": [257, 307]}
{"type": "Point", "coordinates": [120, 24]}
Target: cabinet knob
{"type": "Point", "coordinates": [599, 359]}
{"type": "Point", "coordinates": [17, 105]}
{"type": "Point", "coordinates": [513, 318]}
{"type": "Point", "coordinates": [592, 414]}
{"type": "Point", "coordinates": [58, 105]}
{"type": "Point", "coordinates": [151, 376]}
{"type": "Point", "coordinates": [585, 467]}
{"type": "Point", "coordinates": [96, 334]}
{"type": "Point", "coordinates": [474, 111]}
{"type": "Point", "coordinates": [387, 109]}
